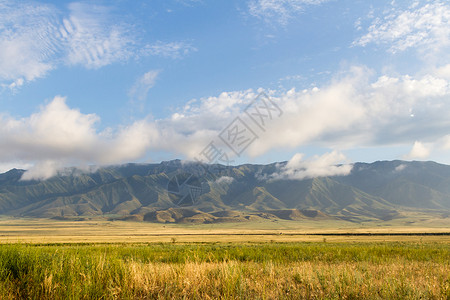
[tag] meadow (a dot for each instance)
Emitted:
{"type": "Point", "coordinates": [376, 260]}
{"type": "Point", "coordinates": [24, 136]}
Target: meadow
{"type": "Point", "coordinates": [101, 259]}
{"type": "Point", "coordinates": [312, 270]}
{"type": "Point", "coordinates": [101, 230]}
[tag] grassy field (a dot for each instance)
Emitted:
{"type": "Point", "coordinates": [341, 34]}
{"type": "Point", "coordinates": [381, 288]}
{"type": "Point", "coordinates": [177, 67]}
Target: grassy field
{"type": "Point", "coordinates": [100, 259]}
{"type": "Point", "coordinates": [104, 231]}
{"type": "Point", "coordinates": [390, 270]}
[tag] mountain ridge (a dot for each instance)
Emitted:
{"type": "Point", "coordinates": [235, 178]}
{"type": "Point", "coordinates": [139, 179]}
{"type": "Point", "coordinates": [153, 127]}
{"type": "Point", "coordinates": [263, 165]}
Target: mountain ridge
{"type": "Point", "coordinates": [380, 190]}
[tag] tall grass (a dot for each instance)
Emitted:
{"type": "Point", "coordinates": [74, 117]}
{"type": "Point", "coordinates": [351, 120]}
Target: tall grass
{"type": "Point", "coordinates": [229, 271]}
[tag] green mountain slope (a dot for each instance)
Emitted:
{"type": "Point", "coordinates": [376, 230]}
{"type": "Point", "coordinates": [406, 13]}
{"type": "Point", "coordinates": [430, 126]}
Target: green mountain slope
{"type": "Point", "coordinates": [381, 190]}
{"type": "Point", "coordinates": [422, 185]}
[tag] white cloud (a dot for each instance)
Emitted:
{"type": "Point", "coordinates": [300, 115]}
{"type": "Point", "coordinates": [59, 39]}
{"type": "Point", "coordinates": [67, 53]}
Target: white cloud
{"type": "Point", "coordinates": [42, 170]}
{"type": "Point", "coordinates": [55, 131]}
{"type": "Point", "coordinates": [142, 86]}
{"type": "Point", "coordinates": [189, 130]}
{"type": "Point", "coordinates": [225, 180]}
{"type": "Point", "coordinates": [419, 151]}
{"type": "Point", "coordinates": [28, 39]}
{"type": "Point", "coordinates": [357, 109]}
{"type": "Point", "coordinates": [424, 26]}
{"type": "Point", "coordinates": [279, 11]}
{"type": "Point", "coordinates": [329, 164]}
{"type": "Point", "coordinates": [352, 111]}
{"type": "Point", "coordinates": [91, 39]}
{"type": "Point", "coordinates": [400, 168]}
{"type": "Point", "coordinates": [58, 136]}
{"type": "Point", "coordinates": [36, 38]}
{"type": "Point", "coordinates": [130, 142]}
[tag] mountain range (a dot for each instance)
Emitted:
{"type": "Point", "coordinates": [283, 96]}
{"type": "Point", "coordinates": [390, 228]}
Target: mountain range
{"type": "Point", "coordinates": [188, 192]}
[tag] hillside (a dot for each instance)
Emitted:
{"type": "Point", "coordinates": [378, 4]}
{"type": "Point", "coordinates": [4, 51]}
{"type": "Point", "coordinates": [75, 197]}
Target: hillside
{"type": "Point", "coordinates": [179, 192]}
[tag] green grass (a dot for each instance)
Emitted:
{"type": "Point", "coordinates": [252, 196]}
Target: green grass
{"type": "Point", "coordinates": [393, 270]}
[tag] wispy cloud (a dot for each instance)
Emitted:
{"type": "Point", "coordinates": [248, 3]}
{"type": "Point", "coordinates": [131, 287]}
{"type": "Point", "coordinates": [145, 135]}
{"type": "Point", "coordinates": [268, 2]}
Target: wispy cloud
{"type": "Point", "coordinates": [168, 49]}
{"type": "Point", "coordinates": [279, 11]}
{"type": "Point", "coordinates": [189, 2]}
{"type": "Point", "coordinates": [144, 83]}
{"type": "Point", "coordinates": [36, 38]}
{"type": "Point", "coordinates": [91, 39]}
{"type": "Point", "coordinates": [424, 26]}
{"type": "Point", "coordinates": [28, 41]}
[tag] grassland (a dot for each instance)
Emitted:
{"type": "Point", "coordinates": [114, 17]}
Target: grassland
{"type": "Point", "coordinates": [100, 259]}
{"type": "Point", "coordinates": [392, 270]}
{"type": "Point", "coordinates": [103, 231]}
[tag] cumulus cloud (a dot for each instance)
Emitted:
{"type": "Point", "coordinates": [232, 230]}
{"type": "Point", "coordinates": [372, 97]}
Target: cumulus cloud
{"type": "Point", "coordinates": [418, 151]}
{"type": "Point", "coordinates": [424, 26]}
{"type": "Point", "coordinates": [189, 130]}
{"type": "Point", "coordinates": [356, 109]}
{"type": "Point", "coordinates": [58, 136]}
{"type": "Point", "coordinates": [55, 131]}
{"type": "Point", "coordinates": [279, 11]}
{"type": "Point", "coordinates": [36, 38]}
{"type": "Point", "coordinates": [328, 164]}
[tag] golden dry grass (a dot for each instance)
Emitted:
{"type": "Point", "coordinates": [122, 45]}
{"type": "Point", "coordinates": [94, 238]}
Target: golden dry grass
{"type": "Point", "coordinates": [100, 259]}
{"type": "Point", "coordinates": [303, 280]}
{"type": "Point", "coordinates": [103, 231]}
{"type": "Point", "coordinates": [338, 271]}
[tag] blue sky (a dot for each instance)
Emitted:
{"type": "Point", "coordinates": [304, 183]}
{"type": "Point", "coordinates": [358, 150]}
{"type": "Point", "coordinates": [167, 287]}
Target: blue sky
{"type": "Point", "coordinates": [109, 82]}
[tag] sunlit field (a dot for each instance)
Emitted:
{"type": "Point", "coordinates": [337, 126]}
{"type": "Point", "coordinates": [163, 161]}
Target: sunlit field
{"type": "Point", "coordinates": [369, 270]}
{"type": "Point", "coordinates": [103, 231]}
{"type": "Point", "coordinates": [45, 259]}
